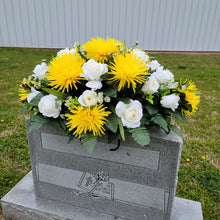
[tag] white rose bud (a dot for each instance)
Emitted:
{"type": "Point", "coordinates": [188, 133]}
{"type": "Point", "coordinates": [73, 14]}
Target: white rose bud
{"type": "Point", "coordinates": [170, 101]}
{"type": "Point", "coordinates": [107, 99]}
{"type": "Point", "coordinates": [30, 96]}
{"type": "Point", "coordinates": [130, 114]}
{"type": "Point", "coordinates": [40, 70]}
{"type": "Point", "coordinates": [151, 86]}
{"type": "Point", "coordinates": [88, 98]}
{"type": "Point", "coordinates": [153, 65]}
{"type": "Point", "coordinates": [47, 106]}
{"type": "Point", "coordinates": [141, 54]}
{"type": "Point", "coordinates": [92, 71]}
{"type": "Point", "coordinates": [100, 97]}
{"type": "Point", "coordinates": [163, 76]}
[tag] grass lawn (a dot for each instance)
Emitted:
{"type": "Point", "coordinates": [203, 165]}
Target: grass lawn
{"type": "Point", "coordinates": [199, 174]}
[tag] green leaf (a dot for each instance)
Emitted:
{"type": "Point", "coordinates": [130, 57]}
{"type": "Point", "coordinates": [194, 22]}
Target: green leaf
{"type": "Point", "coordinates": [111, 92]}
{"type": "Point", "coordinates": [36, 121]}
{"type": "Point", "coordinates": [23, 109]}
{"type": "Point", "coordinates": [89, 141]}
{"type": "Point", "coordinates": [36, 99]}
{"type": "Point", "coordinates": [176, 130]}
{"type": "Point", "coordinates": [71, 137]}
{"type": "Point", "coordinates": [159, 120]}
{"type": "Point", "coordinates": [56, 93]}
{"type": "Point", "coordinates": [126, 100]}
{"type": "Point", "coordinates": [152, 110]}
{"type": "Point", "coordinates": [121, 128]}
{"type": "Point", "coordinates": [112, 123]}
{"type": "Point", "coordinates": [140, 135]}
{"type": "Point", "coordinates": [178, 116]}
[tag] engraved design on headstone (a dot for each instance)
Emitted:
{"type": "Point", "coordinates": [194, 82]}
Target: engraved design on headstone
{"type": "Point", "coordinates": [95, 185]}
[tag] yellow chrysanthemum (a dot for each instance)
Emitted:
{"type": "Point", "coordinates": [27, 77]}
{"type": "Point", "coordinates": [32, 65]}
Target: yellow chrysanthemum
{"type": "Point", "coordinates": [22, 93]}
{"type": "Point", "coordinates": [128, 70]}
{"type": "Point", "coordinates": [85, 119]}
{"type": "Point", "coordinates": [64, 71]}
{"type": "Point", "coordinates": [101, 49]}
{"type": "Point", "coordinates": [192, 97]}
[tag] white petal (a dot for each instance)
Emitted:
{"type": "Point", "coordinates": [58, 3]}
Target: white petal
{"type": "Point", "coordinates": [94, 84]}
{"type": "Point", "coordinates": [120, 108]}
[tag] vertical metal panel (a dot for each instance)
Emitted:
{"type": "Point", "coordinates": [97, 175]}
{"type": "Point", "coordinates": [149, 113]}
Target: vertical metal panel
{"type": "Point", "coordinates": [157, 24]}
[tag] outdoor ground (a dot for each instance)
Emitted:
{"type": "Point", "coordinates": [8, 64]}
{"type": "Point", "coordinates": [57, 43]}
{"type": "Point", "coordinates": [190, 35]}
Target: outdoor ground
{"type": "Point", "coordinates": [199, 174]}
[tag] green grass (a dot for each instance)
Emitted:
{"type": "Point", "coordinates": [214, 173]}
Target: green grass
{"type": "Point", "coordinates": [199, 176]}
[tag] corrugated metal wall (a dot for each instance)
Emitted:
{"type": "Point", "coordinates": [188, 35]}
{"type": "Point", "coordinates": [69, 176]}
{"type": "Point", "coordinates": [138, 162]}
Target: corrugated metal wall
{"type": "Point", "coordinates": [182, 25]}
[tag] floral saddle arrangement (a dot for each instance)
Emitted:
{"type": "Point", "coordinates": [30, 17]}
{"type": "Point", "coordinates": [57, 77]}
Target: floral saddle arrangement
{"type": "Point", "coordinates": [104, 88]}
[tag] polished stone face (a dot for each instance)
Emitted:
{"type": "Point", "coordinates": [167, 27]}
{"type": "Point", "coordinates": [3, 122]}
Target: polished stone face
{"type": "Point", "coordinates": [132, 182]}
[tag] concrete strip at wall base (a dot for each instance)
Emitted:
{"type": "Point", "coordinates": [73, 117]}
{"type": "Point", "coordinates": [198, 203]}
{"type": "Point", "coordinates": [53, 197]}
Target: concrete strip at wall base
{"type": "Point", "coordinates": [22, 203]}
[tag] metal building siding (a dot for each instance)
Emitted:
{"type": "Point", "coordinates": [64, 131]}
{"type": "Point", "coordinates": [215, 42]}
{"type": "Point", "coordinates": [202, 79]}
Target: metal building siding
{"type": "Point", "coordinates": [181, 25]}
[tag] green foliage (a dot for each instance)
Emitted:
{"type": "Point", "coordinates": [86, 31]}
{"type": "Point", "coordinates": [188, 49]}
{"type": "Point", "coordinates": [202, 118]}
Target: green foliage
{"type": "Point", "coordinates": [111, 92]}
{"type": "Point", "coordinates": [121, 129]}
{"type": "Point", "coordinates": [140, 135]}
{"type": "Point", "coordinates": [176, 130]}
{"type": "Point", "coordinates": [112, 123]}
{"type": "Point", "coordinates": [152, 110]}
{"type": "Point", "coordinates": [159, 120]}
{"type": "Point", "coordinates": [89, 141]}
{"type": "Point", "coordinates": [36, 99]}
{"type": "Point", "coordinates": [36, 122]}
{"type": "Point", "coordinates": [57, 93]}
{"type": "Point", "coordinates": [23, 109]}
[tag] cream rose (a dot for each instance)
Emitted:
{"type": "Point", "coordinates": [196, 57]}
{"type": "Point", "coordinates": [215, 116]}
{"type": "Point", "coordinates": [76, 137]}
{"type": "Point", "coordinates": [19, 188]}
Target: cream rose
{"type": "Point", "coordinates": [170, 101]}
{"type": "Point", "coordinates": [40, 70]}
{"type": "Point", "coordinates": [92, 71]}
{"type": "Point", "coordinates": [153, 65]}
{"type": "Point", "coordinates": [130, 114]}
{"type": "Point", "coordinates": [141, 54]}
{"type": "Point", "coordinates": [30, 96]}
{"type": "Point", "coordinates": [47, 106]}
{"type": "Point", "coordinates": [151, 86]}
{"type": "Point", "coordinates": [66, 50]}
{"type": "Point", "coordinates": [88, 98]}
{"type": "Point", "coordinates": [163, 76]}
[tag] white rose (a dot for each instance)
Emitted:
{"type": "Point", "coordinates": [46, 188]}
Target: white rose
{"type": "Point", "coordinates": [92, 71]}
{"type": "Point", "coordinates": [170, 101]}
{"type": "Point", "coordinates": [151, 86]}
{"type": "Point", "coordinates": [163, 76]}
{"type": "Point", "coordinates": [139, 53]}
{"type": "Point", "coordinates": [30, 96]}
{"type": "Point", "coordinates": [130, 114]}
{"type": "Point", "coordinates": [40, 70]}
{"type": "Point", "coordinates": [66, 50]}
{"type": "Point", "coordinates": [153, 65]}
{"type": "Point", "coordinates": [88, 98]}
{"type": "Point", "coordinates": [47, 106]}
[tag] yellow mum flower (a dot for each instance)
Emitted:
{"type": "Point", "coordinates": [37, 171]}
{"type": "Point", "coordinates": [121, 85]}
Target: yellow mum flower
{"type": "Point", "coordinates": [128, 70]}
{"type": "Point", "coordinates": [192, 97]}
{"type": "Point", "coordinates": [64, 71]}
{"type": "Point", "coordinates": [22, 93]}
{"type": "Point", "coordinates": [101, 49]}
{"type": "Point", "coordinates": [85, 119]}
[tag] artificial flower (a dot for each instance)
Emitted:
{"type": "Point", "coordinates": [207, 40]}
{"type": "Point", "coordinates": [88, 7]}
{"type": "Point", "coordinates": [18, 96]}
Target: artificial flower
{"type": "Point", "coordinates": [64, 72]}
{"type": "Point", "coordinates": [163, 76]}
{"type": "Point", "coordinates": [141, 54]}
{"type": "Point", "coordinates": [88, 98]}
{"type": "Point", "coordinates": [153, 65]}
{"type": "Point", "coordinates": [47, 106]}
{"type": "Point", "coordinates": [170, 101]}
{"type": "Point", "coordinates": [101, 49]}
{"type": "Point", "coordinates": [150, 86]}
{"type": "Point", "coordinates": [87, 119]}
{"type": "Point", "coordinates": [191, 96]}
{"type": "Point", "coordinates": [31, 95]}
{"type": "Point", "coordinates": [40, 70]}
{"type": "Point", "coordinates": [128, 71]}
{"type": "Point", "coordinates": [92, 71]}
{"type": "Point", "coordinates": [130, 114]}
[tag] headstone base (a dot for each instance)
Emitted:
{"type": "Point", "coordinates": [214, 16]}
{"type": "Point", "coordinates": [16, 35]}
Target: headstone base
{"type": "Point", "coordinates": [22, 203]}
